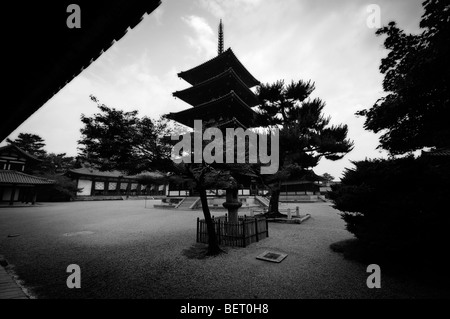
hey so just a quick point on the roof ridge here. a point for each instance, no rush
(206, 81)
(212, 59)
(223, 97)
(228, 71)
(229, 52)
(20, 150)
(234, 119)
(231, 94)
(25, 174)
(12, 178)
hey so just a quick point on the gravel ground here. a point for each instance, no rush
(128, 251)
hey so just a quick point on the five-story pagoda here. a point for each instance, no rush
(220, 93)
(221, 97)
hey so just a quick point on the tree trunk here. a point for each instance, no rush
(213, 246)
(274, 210)
(274, 201)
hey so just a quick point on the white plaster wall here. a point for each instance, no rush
(86, 186)
(7, 194)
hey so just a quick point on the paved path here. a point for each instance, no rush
(9, 288)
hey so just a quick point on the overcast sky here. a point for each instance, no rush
(328, 42)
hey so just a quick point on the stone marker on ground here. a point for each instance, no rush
(272, 256)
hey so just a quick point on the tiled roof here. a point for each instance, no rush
(86, 171)
(217, 85)
(438, 152)
(222, 62)
(234, 122)
(223, 105)
(154, 174)
(18, 149)
(94, 172)
(307, 176)
(13, 177)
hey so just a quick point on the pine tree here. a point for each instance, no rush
(306, 135)
(30, 143)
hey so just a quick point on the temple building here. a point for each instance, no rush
(307, 188)
(15, 185)
(93, 184)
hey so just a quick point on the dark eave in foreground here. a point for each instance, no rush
(42, 55)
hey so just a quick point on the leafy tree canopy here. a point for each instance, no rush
(118, 140)
(387, 201)
(416, 109)
(56, 163)
(328, 177)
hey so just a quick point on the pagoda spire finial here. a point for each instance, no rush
(220, 49)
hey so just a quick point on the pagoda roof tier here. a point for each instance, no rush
(216, 86)
(216, 66)
(234, 122)
(220, 109)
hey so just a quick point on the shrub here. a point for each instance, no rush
(396, 205)
(63, 190)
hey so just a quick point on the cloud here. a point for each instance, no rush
(204, 40)
(213, 7)
(132, 86)
(158, 15)
(228, 8)
(325, 41)
(137, 86)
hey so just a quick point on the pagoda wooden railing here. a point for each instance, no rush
(246, 231)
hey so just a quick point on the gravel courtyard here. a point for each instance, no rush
(125, 250)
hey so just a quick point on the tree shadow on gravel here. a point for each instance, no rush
(423, 266)
(197, 251)
(3, 262)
